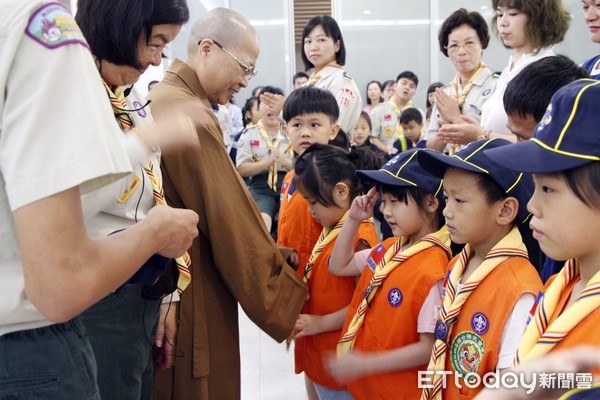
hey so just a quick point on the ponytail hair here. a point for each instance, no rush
(322, 166)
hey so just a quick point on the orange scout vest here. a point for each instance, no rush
(328, 294)
(296, 226)
(586, 332)
(391, 320)
(476, 335)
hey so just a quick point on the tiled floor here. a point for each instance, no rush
(267, 367)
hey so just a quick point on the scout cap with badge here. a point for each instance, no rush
(472, 158)
(566, 137)
(404, 170)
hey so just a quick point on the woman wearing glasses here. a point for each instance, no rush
(531, 28)
(122, 326)
(462, 37)
(325, 53)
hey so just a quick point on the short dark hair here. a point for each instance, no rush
(419, 196)
(340, 140)
(309, 99)
(411, 114)
(431, 89)
(387, 83)
(463, 17)
(530, 92)
(113, 28)
(408, 75)
(380, 88)
(548, 20)
(248, 107)
(269, 89)
(367, 117)
(300, 74)
(332, 30)
(321, 166)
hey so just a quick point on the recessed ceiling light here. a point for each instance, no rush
(367, 12)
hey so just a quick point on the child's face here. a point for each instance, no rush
(306, 129)
(327, 216)
(469, 217)
(404, 219)
(405, 89)
(521, 127)
(253, 115)
(267, 116)
(320, 48)
(564, 226)
(361, 132)
(412, 131)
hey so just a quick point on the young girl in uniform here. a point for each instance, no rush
(490, 286)
(325, 178)
(388, 331)
(263, 156)
(564, 157)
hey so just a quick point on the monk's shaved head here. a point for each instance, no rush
(220, 24)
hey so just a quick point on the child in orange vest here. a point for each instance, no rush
(310, 114)
(388, 331)
(564, 157)
(325, 178)
(491, 286)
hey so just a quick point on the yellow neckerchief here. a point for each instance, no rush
(119, 106)
(540, 337)
(272, 146)
(466, 88)
(392, 259)
(398, 111)
(327, 235)
(314, 77)
(509, 246)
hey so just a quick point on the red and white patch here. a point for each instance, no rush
(345, 102)
(348, 92)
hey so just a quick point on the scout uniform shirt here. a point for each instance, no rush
(255, 145)
(342, 86)
(386, 126)
(49, 128)
(482, 89)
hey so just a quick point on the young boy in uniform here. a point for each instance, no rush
(411, 121)
(525, 100)
(564, 157)
(386, 128)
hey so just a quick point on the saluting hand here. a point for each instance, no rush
(362, 206)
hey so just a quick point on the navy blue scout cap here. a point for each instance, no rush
(404, 170)
(566, 137)
(473, 159)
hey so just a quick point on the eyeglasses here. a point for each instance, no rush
(468, 45)
(249, 72)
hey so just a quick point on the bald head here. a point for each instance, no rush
(221, 24)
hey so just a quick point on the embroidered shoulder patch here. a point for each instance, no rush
(52, 25)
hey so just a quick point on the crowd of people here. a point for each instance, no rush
(404, 252)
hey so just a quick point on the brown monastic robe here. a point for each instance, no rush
(234, 258)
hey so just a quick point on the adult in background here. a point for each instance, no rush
(591, 13)
(234, 259)
(463, 37)
(122, 327)
(59, 140)
(374, 97)
(531, 32)
(325, 53)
